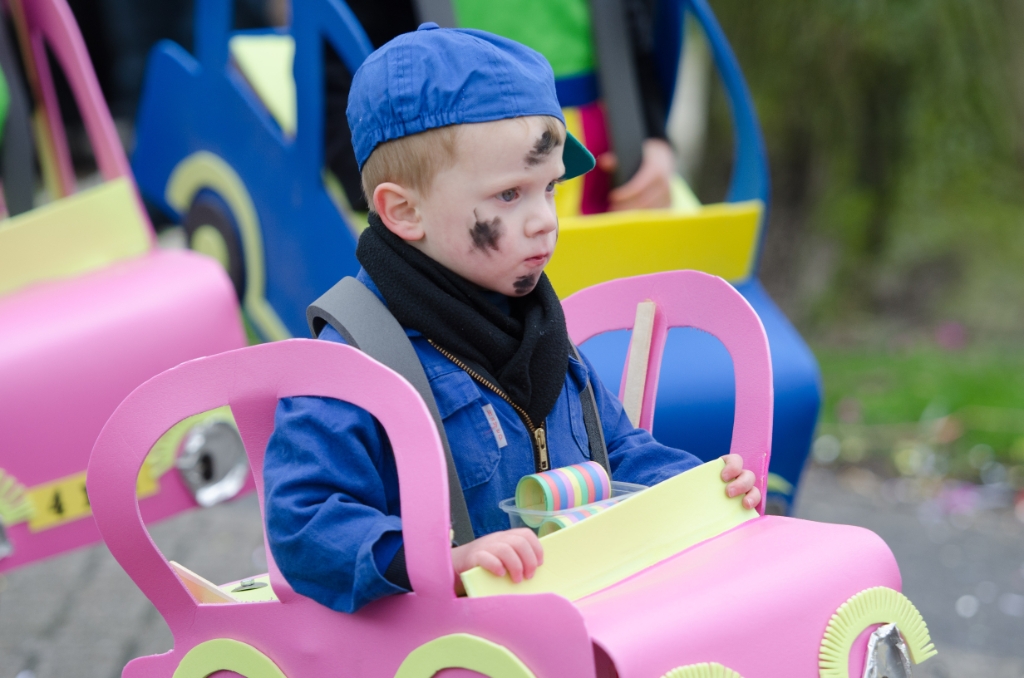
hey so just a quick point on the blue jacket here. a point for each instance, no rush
(331, 486)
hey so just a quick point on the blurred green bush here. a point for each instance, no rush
(895, 131)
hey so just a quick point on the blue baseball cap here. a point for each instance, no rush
(434, 77)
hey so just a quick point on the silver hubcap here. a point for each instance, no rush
(212, 462)
(887, 654)
(6, 547)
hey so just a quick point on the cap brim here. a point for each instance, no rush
(576, 157)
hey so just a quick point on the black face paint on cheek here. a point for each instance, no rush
(486, 234)
(542, 148)
(525, 284)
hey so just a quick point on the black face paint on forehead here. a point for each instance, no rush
(486, 234)
(542, 148)
(524, 284)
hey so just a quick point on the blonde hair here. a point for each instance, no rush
(414, 161)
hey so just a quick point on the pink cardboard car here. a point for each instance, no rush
(89, 309)
(677, 581)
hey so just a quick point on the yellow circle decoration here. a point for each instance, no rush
(204, 169)
(462, 651)
(225, 654)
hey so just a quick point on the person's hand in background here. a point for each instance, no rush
(650, 187)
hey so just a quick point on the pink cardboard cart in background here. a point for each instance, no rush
(677, 581)
(89, 309)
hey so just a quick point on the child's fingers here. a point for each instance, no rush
(531, 539)
(527, 556)
(489, 562)
(753, 498)
(733, 467)
(537, 548)
(510, 559)
(741, 485)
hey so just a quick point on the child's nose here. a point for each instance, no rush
(542, 221)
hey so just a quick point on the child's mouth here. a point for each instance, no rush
(538, 260)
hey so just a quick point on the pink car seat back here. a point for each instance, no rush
(705, 302)
(251, 380)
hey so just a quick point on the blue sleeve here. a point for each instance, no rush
(633, 453)
(331, 500)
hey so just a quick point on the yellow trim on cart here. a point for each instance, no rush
(263, 594)
(65, 500)
(72, 236)
(204, 169)
(266, 63)
(777, 483)
(719, 239)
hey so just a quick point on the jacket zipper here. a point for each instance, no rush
(537, 433)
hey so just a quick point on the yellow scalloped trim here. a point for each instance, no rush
(15, 506)
(878, 605)
(706, 670)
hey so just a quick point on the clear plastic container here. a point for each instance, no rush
(540, 519)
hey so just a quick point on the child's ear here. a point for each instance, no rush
(396, 206)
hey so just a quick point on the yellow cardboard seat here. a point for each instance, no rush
(75, 235)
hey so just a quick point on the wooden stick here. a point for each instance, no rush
(639, 357)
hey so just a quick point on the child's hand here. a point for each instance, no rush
(742, 481)
(517, 552)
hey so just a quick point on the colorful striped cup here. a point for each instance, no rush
(562, 488)
(556, 523)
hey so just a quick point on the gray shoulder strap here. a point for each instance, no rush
(365, 323)
(440, 12)
(592, 422)
(620, 89)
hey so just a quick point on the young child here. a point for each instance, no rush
(461, 142)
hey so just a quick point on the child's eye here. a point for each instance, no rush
(551, 186)
(508, 195)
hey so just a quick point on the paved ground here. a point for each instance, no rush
(965, 574)
(80, 616)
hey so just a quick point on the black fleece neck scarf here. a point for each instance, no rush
(527, 351)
